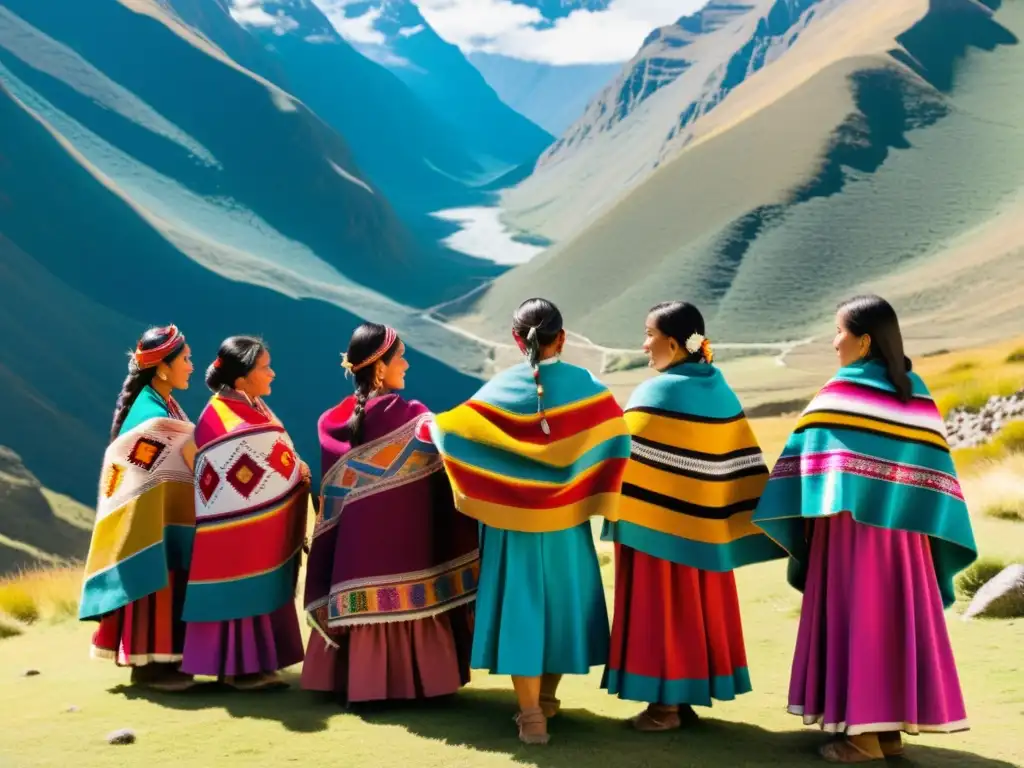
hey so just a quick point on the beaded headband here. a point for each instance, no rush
(150, 358)
(390, 335)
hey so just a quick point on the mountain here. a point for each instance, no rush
(551, 95)
(415, 156)
(37, 526)
(147, 177)
(646, 114)
(878, 150)
(395, 34)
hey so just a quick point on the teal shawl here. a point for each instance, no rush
(858, 448)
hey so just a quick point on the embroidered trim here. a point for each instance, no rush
(870, 467)
(402, 598)
(698, 466)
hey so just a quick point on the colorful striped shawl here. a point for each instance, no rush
(389, 544)
(251, 506)
(506, 473)
(857, 448)
(145, 516)
(695, 474)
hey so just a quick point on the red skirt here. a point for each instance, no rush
(149, 630)
(677, 636)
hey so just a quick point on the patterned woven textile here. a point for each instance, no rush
(251, 506)
(695, 474)
(389, 544)
(857, 448)
(507, 473)
(145, 516)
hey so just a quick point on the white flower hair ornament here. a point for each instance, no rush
(697, 343)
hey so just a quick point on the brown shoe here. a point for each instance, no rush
(891, 743)
(261, 681)
(533, 726)
(846, 752)
(656, 719)
(173, 681)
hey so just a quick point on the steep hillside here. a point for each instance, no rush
(553, 96)
(36, 528)
(882, 150)
(415, 155)
(395, 34)
(646, 114)
(146, 178)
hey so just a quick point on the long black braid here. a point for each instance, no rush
(538, 324)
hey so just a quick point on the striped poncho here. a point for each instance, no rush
(857, 448)
(506, 473)
(695, 474)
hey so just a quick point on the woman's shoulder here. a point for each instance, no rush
(148, 405)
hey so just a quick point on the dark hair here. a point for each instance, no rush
(537, 323)
(679, 320)
(365, 342)
(874, 316)
(236, 358)
(138, 378)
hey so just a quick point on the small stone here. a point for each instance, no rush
(72, 708)
(124, 736)
(30, 673)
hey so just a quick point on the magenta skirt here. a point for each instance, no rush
(873, 652)
(248, 646)
(393, 661)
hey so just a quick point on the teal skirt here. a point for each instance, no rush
(540, 606)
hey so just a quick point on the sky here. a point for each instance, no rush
(583, 37)
(606, 36)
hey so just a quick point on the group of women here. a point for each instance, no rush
(463, 539)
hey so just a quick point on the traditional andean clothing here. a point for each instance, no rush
(251, 506)
(866, 501)
(694, 477)
(142, 539)
(540, 605)
(393, 568)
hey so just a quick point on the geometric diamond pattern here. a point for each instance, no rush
(208, 481)
(145, 452)
(282, 460)
(245, 474)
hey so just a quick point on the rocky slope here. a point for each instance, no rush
(838, 167)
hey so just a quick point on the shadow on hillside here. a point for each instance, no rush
(295, 709)
(482, 720)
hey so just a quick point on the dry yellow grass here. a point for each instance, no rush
(41, 593)
(996, 489)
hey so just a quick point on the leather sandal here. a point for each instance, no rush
(550, 705)
(533, 726)
(656, 720)
(846, 752)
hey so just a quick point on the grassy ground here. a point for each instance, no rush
(215, 727)
(73, 703)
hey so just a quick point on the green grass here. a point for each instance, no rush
(1009, 441)
(213, 726)
(974, 578)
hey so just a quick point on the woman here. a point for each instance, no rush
(145, 519)
(389, 583)
(692, 483)
(251, 504)
(533, 455)
(866, 501)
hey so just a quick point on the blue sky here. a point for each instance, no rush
(613, 34)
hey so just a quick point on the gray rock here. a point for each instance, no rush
(72, 708)
(999, 595)
(124, 736)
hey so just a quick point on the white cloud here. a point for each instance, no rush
(359, 29)
(250, 13)
(582, 37)
(410, 31)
